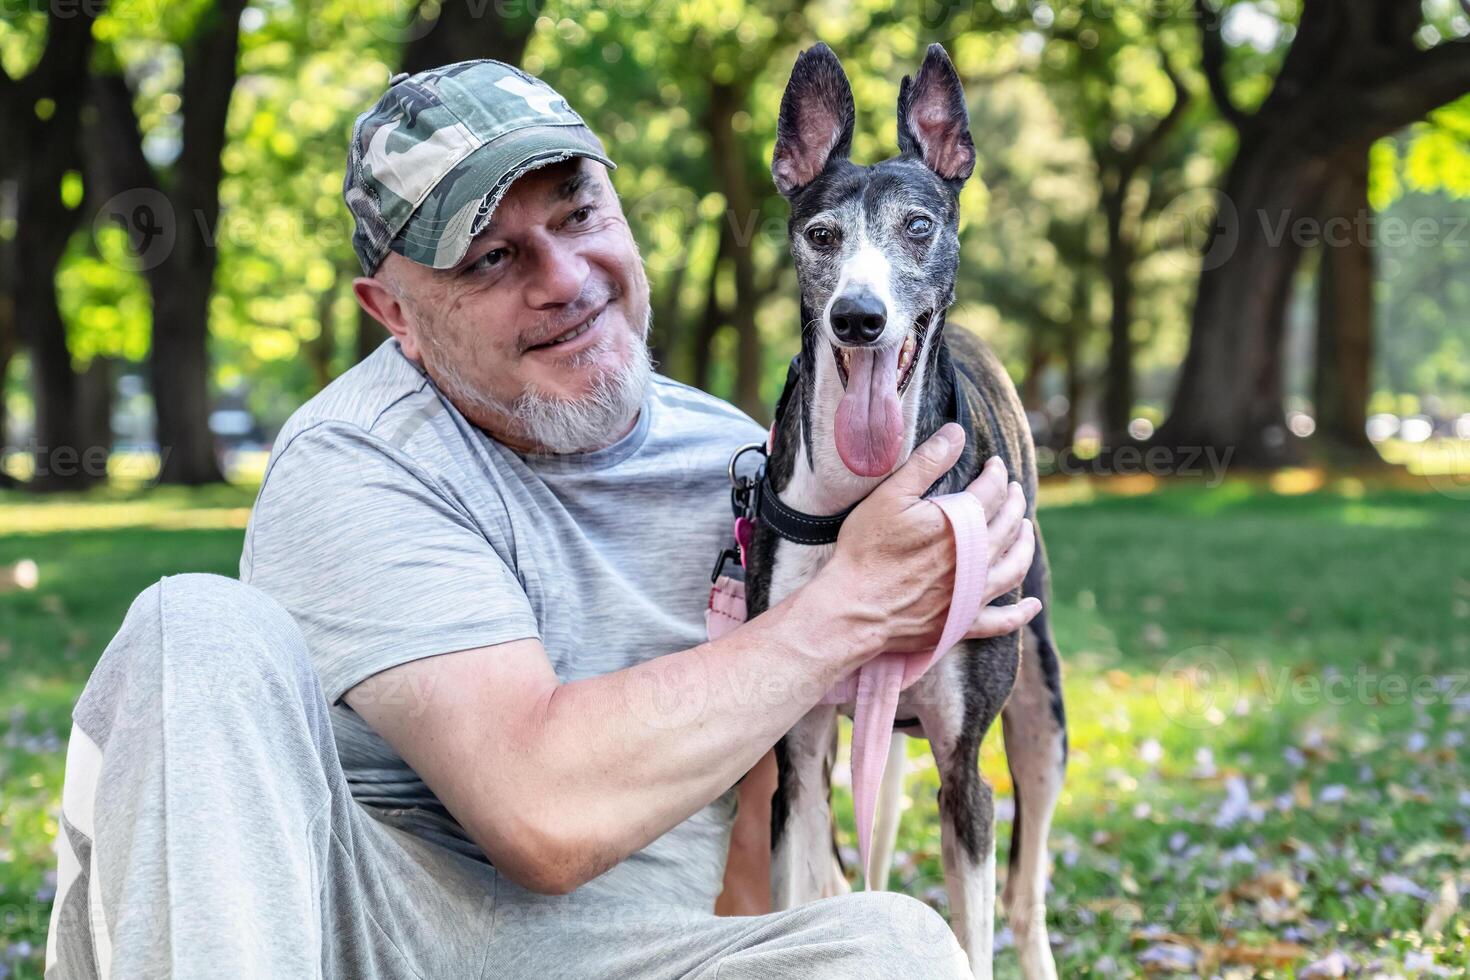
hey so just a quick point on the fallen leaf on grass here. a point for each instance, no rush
(1424, 850)
(1400, 794)
(1274, 913)
(1275, 953)
(1277, 885)
(1444, 908)
(1121, 909)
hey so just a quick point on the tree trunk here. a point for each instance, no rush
(43, 226)
(663, 339)
(1066, 435)
(710, 321)
(1229, 393)
(370, 333)
(94, 409)
(1036, 358)
(1343, 380)
(8, 339)
(462, 30)
(321, 351)
(180, 376)
(1118, 263)
(184, 282)
(1353, 75)
(58, 438)
(743, 217)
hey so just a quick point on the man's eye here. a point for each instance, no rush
(821, 236)
(579, 216)
(919, 226)
(489, 260)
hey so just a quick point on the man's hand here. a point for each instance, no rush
(1012, 547)
(895, 559)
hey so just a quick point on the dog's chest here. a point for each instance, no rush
(826, 489)
(793, 564)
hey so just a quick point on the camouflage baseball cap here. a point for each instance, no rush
(433, 157)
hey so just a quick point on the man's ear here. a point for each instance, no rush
(383, 305)
(933, 123)
(816, 120)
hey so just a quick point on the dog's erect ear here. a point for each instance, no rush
(816, 120)
(933, 123)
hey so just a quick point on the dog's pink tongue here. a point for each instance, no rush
(869, 426)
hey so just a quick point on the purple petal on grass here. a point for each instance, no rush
(1334, 964)
(1169, 956)
(1237, 802)
(1394, 884)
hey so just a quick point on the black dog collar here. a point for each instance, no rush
(755, 499)
(791, 524)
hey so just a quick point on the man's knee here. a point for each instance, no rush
(900, 935)
(201, 636)
(213, 609)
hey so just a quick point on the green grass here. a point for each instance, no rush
(1310, 650)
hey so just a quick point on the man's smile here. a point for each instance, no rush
(579, 337)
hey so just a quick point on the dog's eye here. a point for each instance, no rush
(821, 236)
(919, 226)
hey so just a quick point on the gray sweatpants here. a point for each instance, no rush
(207, 830)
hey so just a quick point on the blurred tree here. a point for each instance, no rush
(1437, 157)
(1419, 186)
(1033, 255)
(41, 111)
(1342, 377)
(1111, 75)
(1353, 74)
(442, 33)
(181, 279)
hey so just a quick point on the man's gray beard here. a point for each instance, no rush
(561, 425)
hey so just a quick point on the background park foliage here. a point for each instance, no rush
(1230, 232)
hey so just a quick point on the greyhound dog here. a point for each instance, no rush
(877, 251)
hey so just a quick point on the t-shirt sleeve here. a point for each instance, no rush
(377, 565)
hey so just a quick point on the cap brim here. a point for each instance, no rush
(439, 232)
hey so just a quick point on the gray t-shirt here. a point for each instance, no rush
(393, 529)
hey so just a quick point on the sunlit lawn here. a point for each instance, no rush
(1268, 698)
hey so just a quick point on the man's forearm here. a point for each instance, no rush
(626, 756)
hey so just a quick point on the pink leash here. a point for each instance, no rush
(874, 687)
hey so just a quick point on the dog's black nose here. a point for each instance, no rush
(858, 318)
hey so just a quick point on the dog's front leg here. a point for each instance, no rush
(955, 711)
(802, 861)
